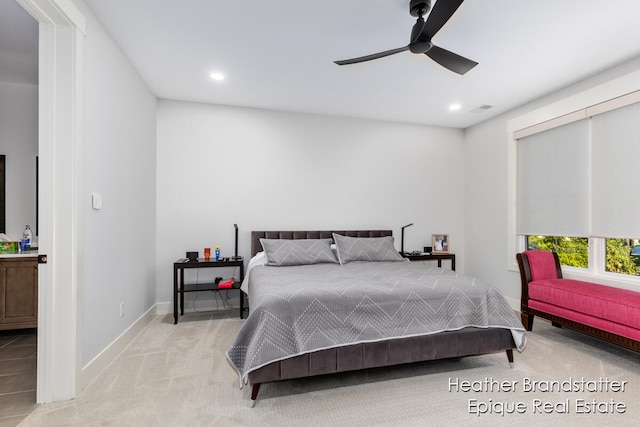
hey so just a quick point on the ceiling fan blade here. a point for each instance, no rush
(372, 56)
(452, 61)
(440, 14)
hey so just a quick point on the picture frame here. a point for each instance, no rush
(440, 243)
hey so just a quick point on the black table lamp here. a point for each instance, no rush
(402, 238)
(235, 256)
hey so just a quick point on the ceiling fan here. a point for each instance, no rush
(421, 35)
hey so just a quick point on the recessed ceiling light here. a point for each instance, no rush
(217, 76)
(454, 107)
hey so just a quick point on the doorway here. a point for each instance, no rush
(18, 150)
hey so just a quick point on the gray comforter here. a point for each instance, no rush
(301, 309)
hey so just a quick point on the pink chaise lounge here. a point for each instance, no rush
(606, 312)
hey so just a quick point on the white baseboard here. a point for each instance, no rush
(164, 308)
(91, 370)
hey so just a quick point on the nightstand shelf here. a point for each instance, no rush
(210, 286)
(433, 257)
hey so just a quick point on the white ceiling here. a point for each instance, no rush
(279, 54)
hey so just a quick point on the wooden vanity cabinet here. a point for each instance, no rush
(18, 293)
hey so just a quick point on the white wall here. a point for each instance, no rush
(221, 165)
(119, 161)
(19, 143)
(486, 188)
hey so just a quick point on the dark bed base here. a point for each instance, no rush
(465, 342)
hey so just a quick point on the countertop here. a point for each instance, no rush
(28, 254)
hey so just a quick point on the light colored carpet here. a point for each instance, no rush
(177, 375)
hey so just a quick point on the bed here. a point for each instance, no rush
(367, 307)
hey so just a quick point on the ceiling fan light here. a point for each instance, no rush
(420, 47)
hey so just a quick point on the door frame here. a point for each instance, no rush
(61, 35)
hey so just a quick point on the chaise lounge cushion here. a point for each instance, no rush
(605, 302)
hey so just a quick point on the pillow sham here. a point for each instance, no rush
(285, 252)
(352, 249)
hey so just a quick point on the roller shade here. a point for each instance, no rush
(553, 181)
(616, 173)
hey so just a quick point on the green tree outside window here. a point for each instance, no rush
(574, 252)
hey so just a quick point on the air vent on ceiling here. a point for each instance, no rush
(482, 108)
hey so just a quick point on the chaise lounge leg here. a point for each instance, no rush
(254, 394)
(510, 357)
(527, 321)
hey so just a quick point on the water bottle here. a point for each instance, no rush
(217, 253)
(26, 238)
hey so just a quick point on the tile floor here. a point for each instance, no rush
(17, 375)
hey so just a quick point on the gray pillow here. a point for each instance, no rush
(366, 249)
(283, 252)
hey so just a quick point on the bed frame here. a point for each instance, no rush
(465, 342)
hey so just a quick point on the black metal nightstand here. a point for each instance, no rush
(180, 288)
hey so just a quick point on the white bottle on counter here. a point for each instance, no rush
(26, 237)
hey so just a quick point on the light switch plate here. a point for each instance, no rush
(96, 201)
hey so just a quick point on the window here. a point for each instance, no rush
(573, 182)
(572, 251)
(623, 256)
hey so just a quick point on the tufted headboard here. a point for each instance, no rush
(309, 234)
